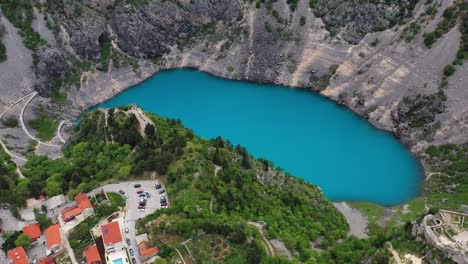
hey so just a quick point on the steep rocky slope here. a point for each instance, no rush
(100, 47)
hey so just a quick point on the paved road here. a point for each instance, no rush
(3, 113)
(132, 214)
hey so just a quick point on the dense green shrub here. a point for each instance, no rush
(449, 70)
(45, 126)
(3, 55)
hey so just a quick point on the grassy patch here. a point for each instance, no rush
(45, 127)
(373, 211)
(410, 32)
(10, 122)
(448, 186)
(116, 199)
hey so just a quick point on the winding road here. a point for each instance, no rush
(23, 126)
(29, 97)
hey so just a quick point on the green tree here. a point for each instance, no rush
(23, 241)
(150, 131)
(449, 70)
(43, 220)
(52, 187)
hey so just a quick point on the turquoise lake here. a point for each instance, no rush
(300, 131)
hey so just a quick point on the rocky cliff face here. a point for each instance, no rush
(103, 46)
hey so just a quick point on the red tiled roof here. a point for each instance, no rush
(69, 213)
(53, 236)
(146, 250)
(111, 233)
(18, 256)
(82, 201)
(92, 255)
(32, 230)
(47, 260)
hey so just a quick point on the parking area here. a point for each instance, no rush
(132, 191)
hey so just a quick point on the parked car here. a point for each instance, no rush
(134, 261)
(128, 242)
(131, 252)
(148, 195)
(162, 191)
(127, 230)
(142, 203)
(121, 192)
(141, 207)
(140, 191)
(137, 185)
(141, 210)
(126, 196)
(163, 204)
(163, 200)
(157, 186)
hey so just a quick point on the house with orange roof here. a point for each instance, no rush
(18, 256)
(47, 260)
(113, 243)
(82, 210)
(33, 231)
(53, 239)
(92, 255)
(147, 251)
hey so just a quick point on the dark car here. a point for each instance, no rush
(134, 261)
(141, 207)
(140, 191)
(128, 241)
(163, 200)
(121, 192)
(157, 186)
(164, 204)
(131, 252)
(162, 191)
(142, 203)
(137, 185)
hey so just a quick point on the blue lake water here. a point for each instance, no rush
(307, 135)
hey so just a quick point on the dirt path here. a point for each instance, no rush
(271, 250)
(217, 168)
(59, 128)
(69, 249)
